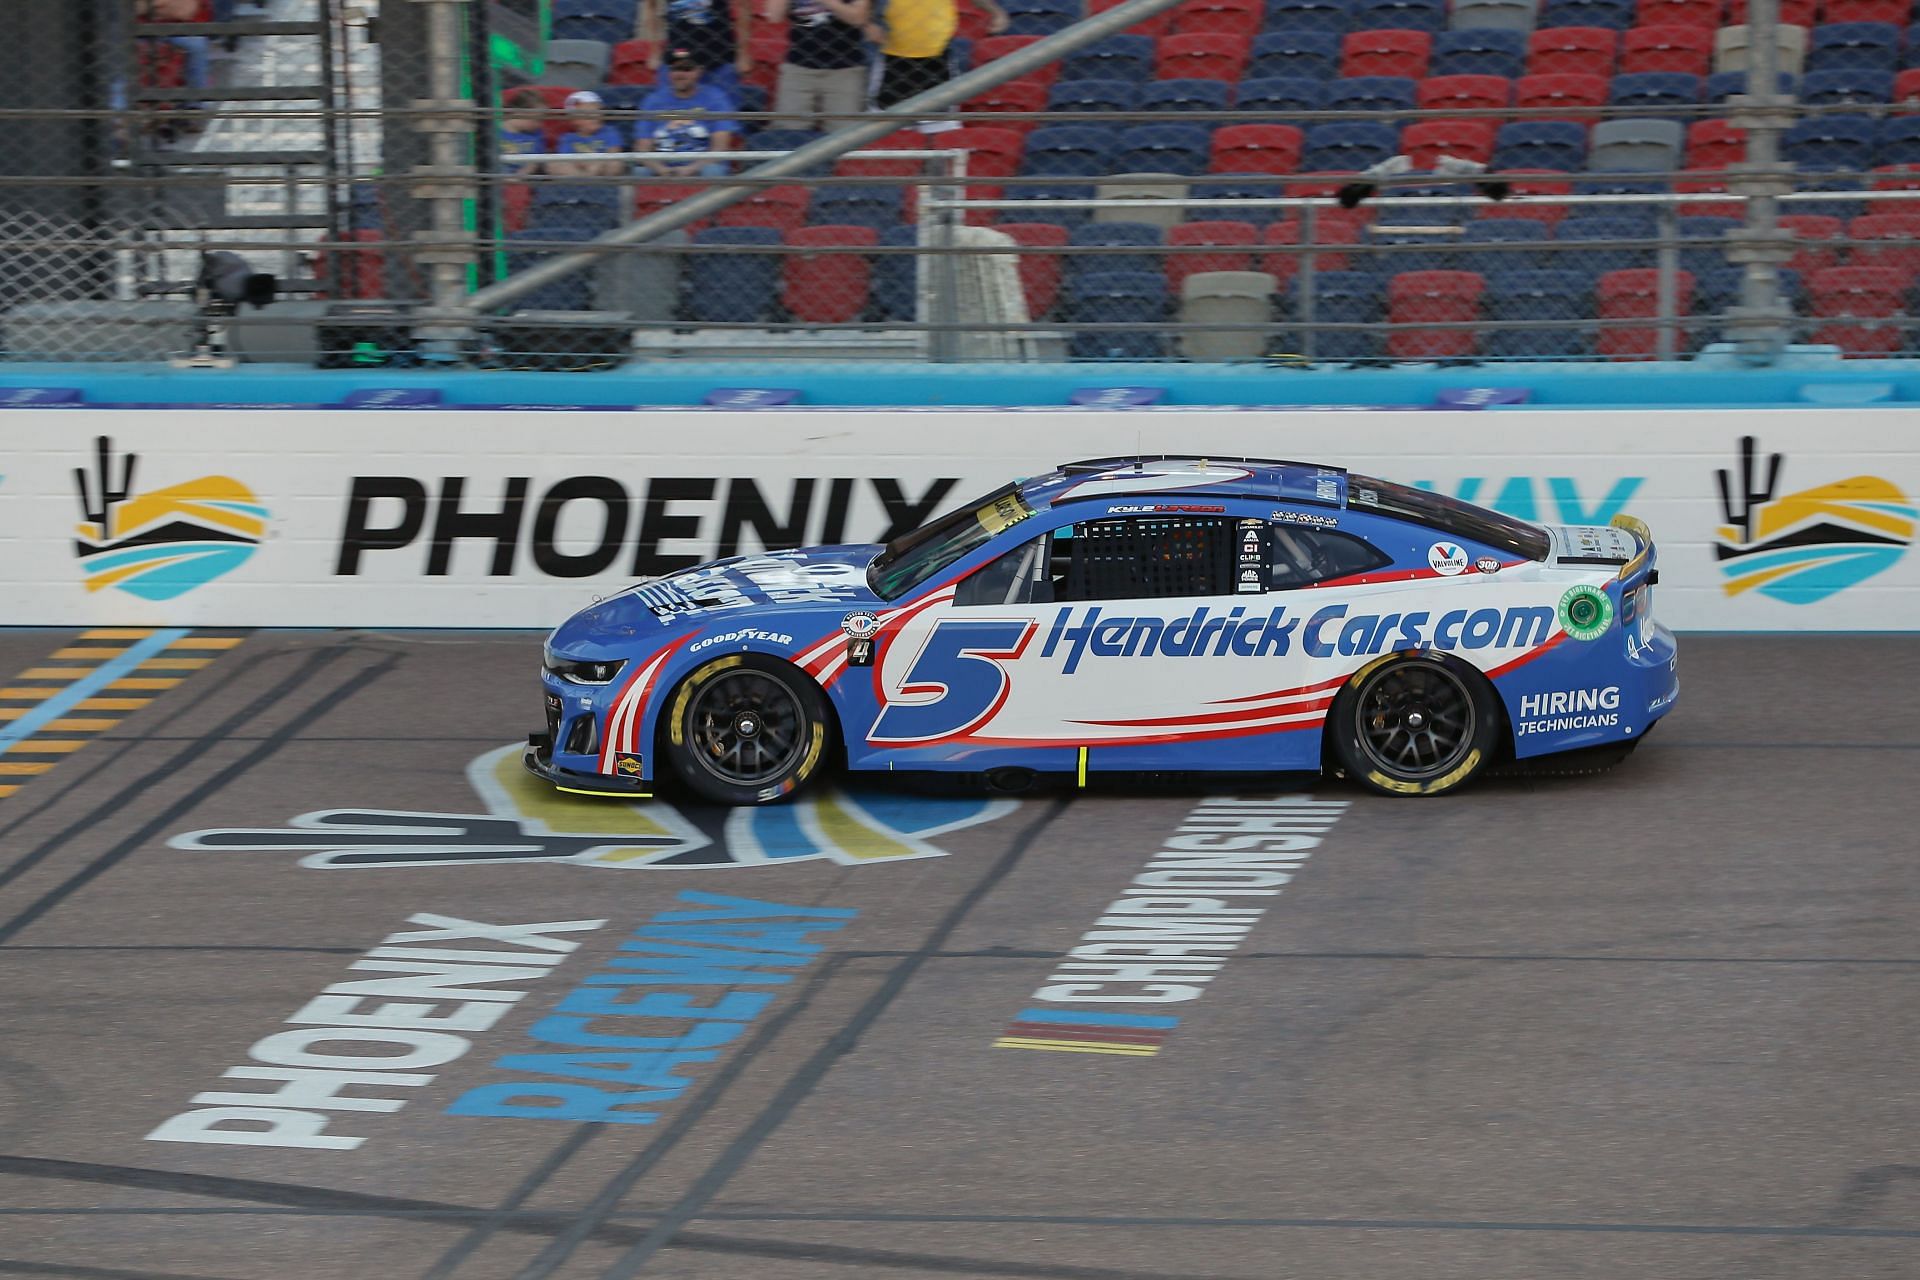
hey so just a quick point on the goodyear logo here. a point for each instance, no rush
(165, 542)
(1800, 548)
(527, 821)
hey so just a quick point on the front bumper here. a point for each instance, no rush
(538, 760)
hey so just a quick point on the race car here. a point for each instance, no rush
(1118, 616)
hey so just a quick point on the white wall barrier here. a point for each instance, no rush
(505, 519)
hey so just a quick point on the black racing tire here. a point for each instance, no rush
(1414, 725)
(747, 729)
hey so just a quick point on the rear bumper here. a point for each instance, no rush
(538, 760)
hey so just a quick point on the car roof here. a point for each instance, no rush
(1147, 475)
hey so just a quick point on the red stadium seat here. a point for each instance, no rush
(1635, 295)
(1893, 11)
(1854, 291)
(1386, 53)
(767, 46)
(1895, 177)
(1425, 142)
(516, 202)
(994, 48)
(1015, 95)
(1906, 89)
(1235, 238)
(1317, 184)
(1433, 297)
(974, 22)
(1707, 208)
(1681, 13)
(363, 272)
(1238, 18)
(1688, 49)
(629, 65)
(1256, 148)
(1039, 272)
(1551, 183)
(1859, 341)
(651, 198)
(1207, 56)
(782, 208)
(1899, 257)
(1158, 25)
(1715, 144)
(903, 140)
(1813, 226)
(1330, 228)
(1578, 96)
(827, 288)
(991, 152)
(1465, 93)
(1571, 51)
(1799, 13)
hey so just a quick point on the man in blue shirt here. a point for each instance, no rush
(700, 122)
(588, 135)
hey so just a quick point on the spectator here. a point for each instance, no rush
(913, 38)
(825, 73)
(521, 131)
(588, 135)
(199, 49)
(715, 31)
(703, 125)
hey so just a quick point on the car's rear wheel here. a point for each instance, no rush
(747, 729)
(1414, 726)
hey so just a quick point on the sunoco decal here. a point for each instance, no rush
(527, 821)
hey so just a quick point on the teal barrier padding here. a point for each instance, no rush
(1802, 380)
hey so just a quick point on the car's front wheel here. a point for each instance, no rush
(1414, 726)
(747, 729)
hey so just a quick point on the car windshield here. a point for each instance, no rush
(1449, 515)
(912, 558)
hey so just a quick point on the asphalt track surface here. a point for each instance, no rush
(1657, 1023)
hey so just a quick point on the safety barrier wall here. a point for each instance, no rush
(469, 519)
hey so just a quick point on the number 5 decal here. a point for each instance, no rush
(959, 666)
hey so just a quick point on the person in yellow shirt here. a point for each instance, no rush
(913, 36)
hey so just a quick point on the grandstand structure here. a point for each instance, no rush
(1676, 174)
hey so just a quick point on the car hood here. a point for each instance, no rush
(738, 588)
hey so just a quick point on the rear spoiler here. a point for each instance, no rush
(1638, 529)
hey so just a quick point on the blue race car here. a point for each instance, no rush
(1121, 615)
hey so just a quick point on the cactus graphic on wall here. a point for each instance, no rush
(1802, 547)
(163, 543)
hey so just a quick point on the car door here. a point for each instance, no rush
(1151, 638)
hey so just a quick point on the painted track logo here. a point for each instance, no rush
(164, 543)
(1806, 546)
(526, 821)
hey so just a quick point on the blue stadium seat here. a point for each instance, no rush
(1165, 148)
(1050, 191)
(1479, 53)
(1846, 88)
(733, 284)
(1117, 297)
(595, 210)
(1709, 256)
(1069, 151)
(876, 207)
(1614, 15)
(1346, 297)
(1411, 251)
(1605, 226)
(1236, 186)
(1371, 93)
(1897, 141)
(1308, 15)
(1400, 15)
(1281, 96)
(1094, 95)
(1541, 144)
(570, 293)
(1494, 264)
(1345, 147)
(1831, 142)
(1115, 58)
(1625, 184)
(791, 140)
(1853, 46)
(1670, 95)
(1039, 17)
(1725, 84)
(1186, 95)
(1910, 56)
(1113, 235)
(1400, 215)
(1537, 298)
(892, 290)
(608, 21)
(1312, 55)
(746, 98)
(1845, 210)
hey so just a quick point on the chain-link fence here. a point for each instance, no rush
(1577, 179)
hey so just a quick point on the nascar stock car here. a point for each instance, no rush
(1125, 615)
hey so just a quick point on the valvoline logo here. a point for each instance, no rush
(1447, 558)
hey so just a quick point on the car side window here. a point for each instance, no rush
(1018, 577)
(1143, 558)
(1302, 556)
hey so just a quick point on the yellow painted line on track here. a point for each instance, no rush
(111, 704)
(147, 682)
(86, 651)
(81, 724)
(117, 633)
(48, 747)
(31, 695)
(54, 673)
(1064, 1046)
(15, 768)
(206, 642)
(7, 789)
(174, 664)
(13, 713)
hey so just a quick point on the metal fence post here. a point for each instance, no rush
(1760, 326)
(447, 182)
(1666, 283)
(1303, 281)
